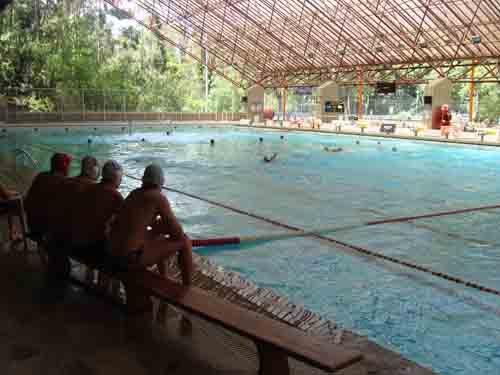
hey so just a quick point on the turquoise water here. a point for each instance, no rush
(438, 324)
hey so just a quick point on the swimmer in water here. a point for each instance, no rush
(143, 140)
(335, 149)
(394, 149)
(212, 142)
(271, 158)
(261, 139)
(282, 137)
(357, 142)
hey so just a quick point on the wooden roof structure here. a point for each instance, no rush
(277, 43)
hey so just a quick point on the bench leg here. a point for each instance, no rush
(272, 361)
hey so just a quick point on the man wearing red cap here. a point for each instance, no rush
(38, 202)
(40, 208)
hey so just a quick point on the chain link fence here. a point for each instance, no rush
(55, 105)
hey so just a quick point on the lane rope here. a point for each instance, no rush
(411, 265)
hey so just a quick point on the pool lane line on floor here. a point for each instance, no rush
(442, 275)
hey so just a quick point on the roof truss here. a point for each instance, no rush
(279, 43)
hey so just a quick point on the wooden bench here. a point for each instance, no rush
(275, 341)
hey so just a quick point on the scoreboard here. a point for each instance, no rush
(385, 88)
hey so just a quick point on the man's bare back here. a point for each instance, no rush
(138, 212)
(131, 238)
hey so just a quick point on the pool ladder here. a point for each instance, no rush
(19, 152)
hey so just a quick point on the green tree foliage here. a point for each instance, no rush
(72, 46)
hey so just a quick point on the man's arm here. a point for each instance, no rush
(169, 221)
(117, 205)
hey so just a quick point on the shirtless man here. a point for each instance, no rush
(69, 201)
(90, 170)
(269, 159)
(129, 235)
(42, 211)
(91, 216)
(42, 193)
(95, 208)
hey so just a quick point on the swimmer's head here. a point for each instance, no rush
(59, 164)
(112, 173)
(212, 142)
(143, 140)
(153, 176)
(261, 139)
(357, 142)
(90, 167)
(282, 137)
(394, 149)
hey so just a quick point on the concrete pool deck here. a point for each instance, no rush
(43, 333)
(428, 135)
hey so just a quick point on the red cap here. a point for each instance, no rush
(60, 163)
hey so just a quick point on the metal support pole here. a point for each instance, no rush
(285, 97)
(83, 104)
(123, 106)
(471, 94)
(104, 105)
(360, 95)
(7, 107)
(62, 108)
(16, 92)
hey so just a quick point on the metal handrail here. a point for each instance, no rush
(19, 151)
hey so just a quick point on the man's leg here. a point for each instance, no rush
(157, 250)
(185, 261)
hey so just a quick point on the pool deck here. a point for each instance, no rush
(428, 135)
(43, 331)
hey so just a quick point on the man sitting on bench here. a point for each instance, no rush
(93, 212)
(69, 203)
(95, 209)
(42, 193)
(148, 207)
(89, 173)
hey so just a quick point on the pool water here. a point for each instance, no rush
(441, 325)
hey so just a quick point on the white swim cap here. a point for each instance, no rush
(110, 170)
(153, 175)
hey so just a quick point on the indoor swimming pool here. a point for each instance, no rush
(450, 328)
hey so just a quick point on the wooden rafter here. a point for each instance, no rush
(282, 42)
